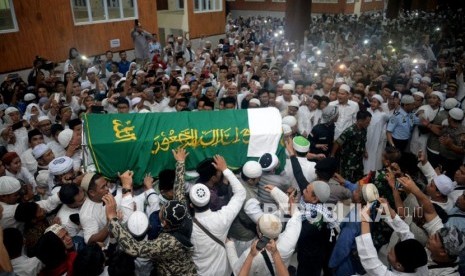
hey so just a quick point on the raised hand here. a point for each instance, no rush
(180, 154)
(219, 162)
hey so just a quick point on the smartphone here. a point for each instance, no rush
(398, 186)
(374, 209)
(262, 242)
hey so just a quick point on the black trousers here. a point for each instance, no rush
(400, 144)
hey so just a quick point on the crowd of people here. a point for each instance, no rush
(372, 118)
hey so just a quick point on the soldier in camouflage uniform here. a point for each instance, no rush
(172, 251)
(352, 145)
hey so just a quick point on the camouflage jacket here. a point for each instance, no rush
(169, 255)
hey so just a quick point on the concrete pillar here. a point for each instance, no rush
(298, 18)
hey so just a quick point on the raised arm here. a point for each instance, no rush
(180, 156)
(296, 168)
(126, 242)
(423, 200)
(391, 180)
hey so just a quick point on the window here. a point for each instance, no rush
(94, 11)
(280, 1)
(180, 5)
(326, 1)
(7, 17)
(368, 1)
(208, 5)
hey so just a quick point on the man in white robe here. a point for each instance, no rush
(376, 136)
(308, 116)
(426, 112)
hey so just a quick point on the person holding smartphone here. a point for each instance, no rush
(275, 248)
(141, 39)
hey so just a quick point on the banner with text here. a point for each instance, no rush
(142, 142)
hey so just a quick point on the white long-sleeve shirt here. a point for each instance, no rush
(307, 119)
(24, 266)
(369, 256)
(285, 244)
(8, 219)
(347, 116)
(72, 228)
(214, 260)
(308, 168)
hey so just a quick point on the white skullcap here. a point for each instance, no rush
(270, 226)
(29, 97)
(252, 169)
(407, 99)
(450, 103)
(135, 101)
(329, 113)
(138, 223)
(60, 165)
(43, 118)
(199, 195)
(288, 86)
(289, 120)
(418, 93)
(10, 110)
(64, 138)
(268, 161)
(426, 79)
(286, 129)
(40, 150)
(294, 104)
(339, 80)
(55, 229)
(444, 184)
(416, 75)
(378, 97)
(300, 144)
(344, 87)
(321, 190)
(123, 79)
(281, 82)
(438, 94)
(370, 192)
(185, 86)
(9, 185)
(92, 70)
(86, 180)
(140, 72)
(255, 101)
(144, 110)
(456, 113)
(42, 178)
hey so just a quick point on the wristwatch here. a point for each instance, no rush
(125, 191)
